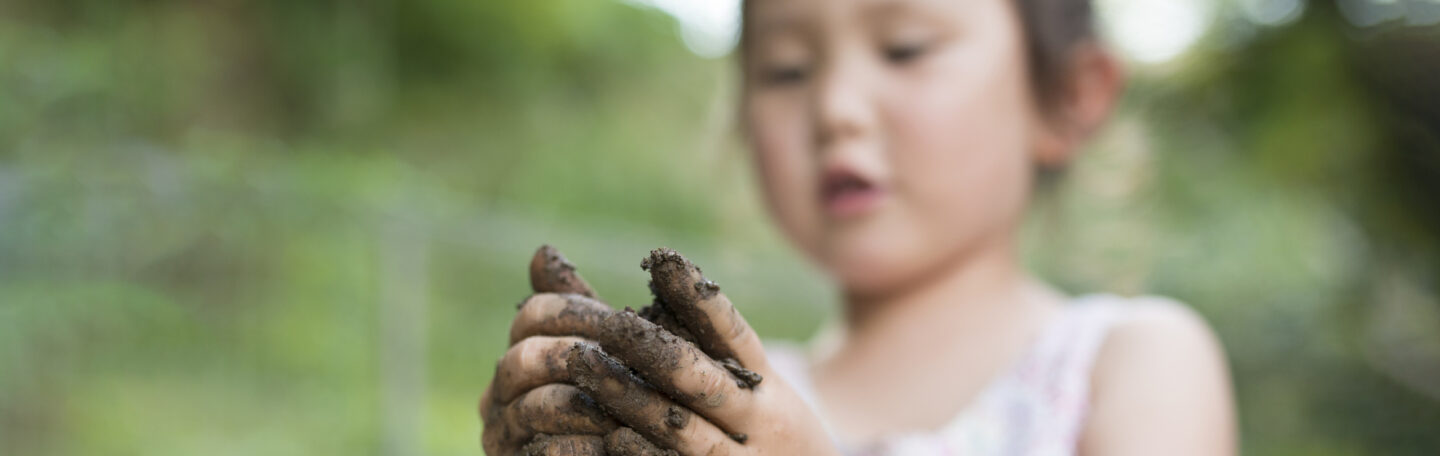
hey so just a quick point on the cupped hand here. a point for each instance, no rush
(581, 378)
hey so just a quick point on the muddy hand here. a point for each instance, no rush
(692, 306)
(687, 400)
(547, 321)
(530, 407)
(680, 396)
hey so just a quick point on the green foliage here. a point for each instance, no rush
(284, 227)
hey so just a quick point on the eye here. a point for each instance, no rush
(785, 75)
(905, 53)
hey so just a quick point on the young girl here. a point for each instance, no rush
(898, 142)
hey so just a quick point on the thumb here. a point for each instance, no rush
(698, 305)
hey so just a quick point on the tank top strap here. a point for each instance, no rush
(1057, 370)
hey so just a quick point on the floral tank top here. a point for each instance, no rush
(1037, 407)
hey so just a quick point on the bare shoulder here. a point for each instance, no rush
(1160, 385)
(1156, 324)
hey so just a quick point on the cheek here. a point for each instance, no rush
(962, 147)
(779, 138)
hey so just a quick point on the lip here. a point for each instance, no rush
(847, 194)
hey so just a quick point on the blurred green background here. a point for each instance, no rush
(301, 227)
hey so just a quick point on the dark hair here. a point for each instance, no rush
(1052, 29)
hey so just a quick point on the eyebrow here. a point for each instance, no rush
(884, 8)
(891, 9)
(788, 23)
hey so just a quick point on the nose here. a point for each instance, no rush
(843, 108)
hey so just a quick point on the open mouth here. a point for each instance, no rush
(847, 194)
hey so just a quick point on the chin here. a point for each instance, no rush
(873, 260)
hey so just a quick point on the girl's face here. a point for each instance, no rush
(893, 137)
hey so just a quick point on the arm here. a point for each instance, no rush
(1160, 386)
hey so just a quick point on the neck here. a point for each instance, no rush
(980, 295)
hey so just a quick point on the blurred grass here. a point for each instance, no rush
(301, 227)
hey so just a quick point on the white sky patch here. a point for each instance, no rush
(1155, 31)
(1148, 31)
(709, 28)
(1272, 12)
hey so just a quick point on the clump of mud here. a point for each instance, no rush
(625, 441)
(567, 445)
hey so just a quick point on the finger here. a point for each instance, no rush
(530, 363)
(502, 438)
(490, 438)
(550, 409)
(677, 368)
(654, 416)
(624, 441)
(488, 405)
(700, 306)
(661, 315)
(550, 272)
(493, 442)
(548, 314)
(565, 445)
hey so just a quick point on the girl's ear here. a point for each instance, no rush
(1092, 86)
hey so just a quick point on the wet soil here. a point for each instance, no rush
(627, 442)
(565, 445)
